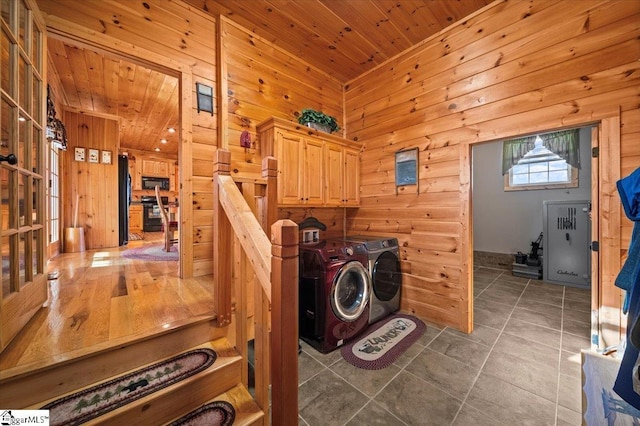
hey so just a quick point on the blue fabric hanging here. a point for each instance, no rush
(629, 189)
(629, 280)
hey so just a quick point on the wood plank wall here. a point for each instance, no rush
(510, 69)
(92, 182)
(261, 81)
(172, 37)
(264, 81)
(513, 68)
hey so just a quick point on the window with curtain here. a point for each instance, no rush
(549, 160)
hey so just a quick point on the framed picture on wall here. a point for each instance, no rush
(93, 155)
(106, 157)
(407, 167)
(79, 154)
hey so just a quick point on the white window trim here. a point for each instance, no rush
(573, 183)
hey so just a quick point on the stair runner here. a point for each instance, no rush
(95, 401)
(217, 413)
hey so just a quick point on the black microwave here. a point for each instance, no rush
(149, 182)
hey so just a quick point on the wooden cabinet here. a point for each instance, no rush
(312, 172)
(335, 175)
(288, 150)
(343, 176)
(314, 168)
(158, 168)
(135, 218)
(351, 180)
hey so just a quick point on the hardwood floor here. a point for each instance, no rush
(103, 299)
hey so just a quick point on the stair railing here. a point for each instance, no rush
(274, 265)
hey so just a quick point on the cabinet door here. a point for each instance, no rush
(313, 172)
(334, 195)
(162, 168)
(135, 218)
(148, 168)
(155, 168)
(288, 151)
(351, 181)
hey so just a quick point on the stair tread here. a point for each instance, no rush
(11, 372)
(225, 355)
(247, 410)
(68, 375)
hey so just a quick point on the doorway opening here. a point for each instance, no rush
(504, 223)
(143, 101)
(507, 221)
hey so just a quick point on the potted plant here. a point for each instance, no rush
(318, 120)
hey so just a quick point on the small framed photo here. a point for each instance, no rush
(79, 154)
(106, 157)
(93, 155)
(407, 167)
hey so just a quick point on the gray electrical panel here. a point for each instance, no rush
(567, 239)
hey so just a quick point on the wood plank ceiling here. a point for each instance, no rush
(343, 38)
(145, 101)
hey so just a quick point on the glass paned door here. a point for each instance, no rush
(54, 201)
(22, 169)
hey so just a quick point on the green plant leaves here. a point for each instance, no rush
(309, 115)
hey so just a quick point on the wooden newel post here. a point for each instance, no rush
(222, 240)
(270, 174)
(284, 323)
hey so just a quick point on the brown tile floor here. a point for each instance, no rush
(521, 365)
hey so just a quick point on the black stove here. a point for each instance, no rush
(152, 219)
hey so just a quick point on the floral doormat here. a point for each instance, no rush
(97, 400)
(217, 413)
(153, 252)
(383, 342)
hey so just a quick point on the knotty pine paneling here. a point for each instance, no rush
(516, 68)
(96, 184)
(333, 218)
(171, 37)
(265, 81)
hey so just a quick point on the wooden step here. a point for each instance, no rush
(247, 411)
(78, 370)
(181, 397)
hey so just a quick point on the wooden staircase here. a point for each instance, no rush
(35, 387)
(263, 259)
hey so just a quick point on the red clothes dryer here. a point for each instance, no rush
(334, 289)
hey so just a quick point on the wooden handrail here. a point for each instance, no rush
(253, 239)
(275, 265)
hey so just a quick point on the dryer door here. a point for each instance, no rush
(350, 291)
(386, 277)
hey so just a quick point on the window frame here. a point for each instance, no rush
(573, 182)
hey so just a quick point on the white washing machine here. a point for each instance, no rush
(384, 270)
